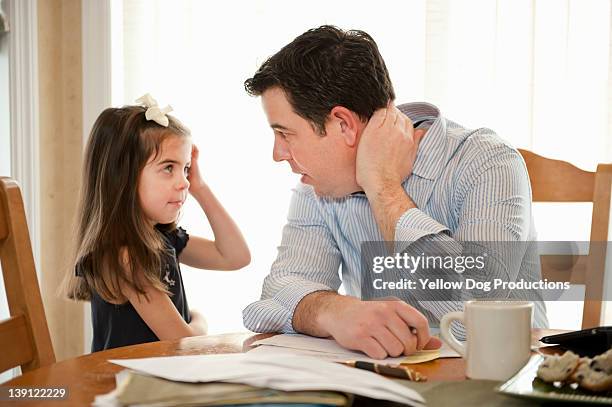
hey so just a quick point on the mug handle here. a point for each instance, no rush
(448, 337)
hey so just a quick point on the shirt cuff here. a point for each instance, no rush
(413, 225)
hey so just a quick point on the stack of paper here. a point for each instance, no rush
(329, 349)
(136, 389)
(280, 372)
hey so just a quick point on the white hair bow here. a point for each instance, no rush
(153, 111)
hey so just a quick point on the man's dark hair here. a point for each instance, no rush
(327, 67)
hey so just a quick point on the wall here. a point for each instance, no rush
(60, 112)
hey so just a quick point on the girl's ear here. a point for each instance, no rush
(348, 123)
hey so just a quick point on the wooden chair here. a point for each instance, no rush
(559, 181)
(24, 336)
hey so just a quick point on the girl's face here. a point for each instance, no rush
(163, 185)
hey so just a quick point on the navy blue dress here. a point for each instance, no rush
(117, 325)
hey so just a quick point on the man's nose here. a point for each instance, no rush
(280, 152)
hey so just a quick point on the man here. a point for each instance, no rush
(373, 172)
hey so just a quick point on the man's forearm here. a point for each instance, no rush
(389, 203)
(311, 312)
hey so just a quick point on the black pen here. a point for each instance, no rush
(401, 372)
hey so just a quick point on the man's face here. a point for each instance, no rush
(327, 163)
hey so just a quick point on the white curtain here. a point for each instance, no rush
(536, 71)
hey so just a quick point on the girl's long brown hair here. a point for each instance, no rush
(112, 233)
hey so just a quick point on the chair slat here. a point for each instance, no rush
(559, 268)
(15, 343)
(3, 225)
(558, 181)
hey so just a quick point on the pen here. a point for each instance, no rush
(401, 372)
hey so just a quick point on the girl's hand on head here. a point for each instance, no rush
(195, 178)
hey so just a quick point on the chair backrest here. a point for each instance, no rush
(560, 181)
(24, 337)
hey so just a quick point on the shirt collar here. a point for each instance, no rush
(431, 154)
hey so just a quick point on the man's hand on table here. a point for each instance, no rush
(377, 328)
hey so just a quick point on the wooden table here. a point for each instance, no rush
(89, 375)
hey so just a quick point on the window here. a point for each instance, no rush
(534, 71)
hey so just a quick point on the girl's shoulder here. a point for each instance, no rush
(177, 237)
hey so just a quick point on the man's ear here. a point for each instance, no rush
(348, 122)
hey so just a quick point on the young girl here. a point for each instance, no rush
(140, 165)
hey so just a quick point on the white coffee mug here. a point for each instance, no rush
(498, 337)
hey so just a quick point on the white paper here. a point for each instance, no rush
(110, 399)
(329, 349)
(331, 357)
(282, 372)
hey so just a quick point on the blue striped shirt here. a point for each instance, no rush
(468, 186)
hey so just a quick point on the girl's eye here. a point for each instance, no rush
(168, 169)
(186, 170)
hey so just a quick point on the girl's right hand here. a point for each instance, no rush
(196, 181)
